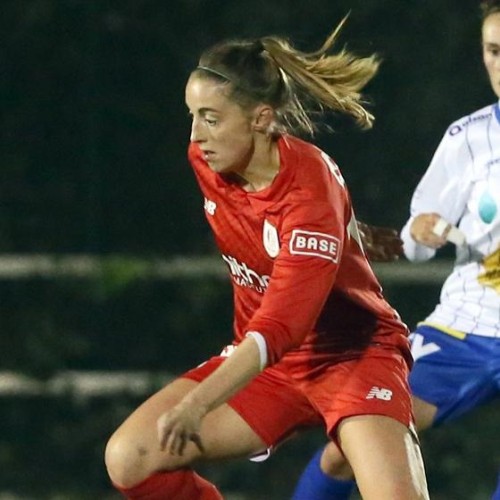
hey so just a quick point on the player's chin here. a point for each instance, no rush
(218, 167)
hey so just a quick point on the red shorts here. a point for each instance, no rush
(275, 405)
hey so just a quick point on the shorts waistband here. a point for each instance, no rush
(458, 334)
(445, 329)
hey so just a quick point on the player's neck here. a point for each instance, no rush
(261, 171)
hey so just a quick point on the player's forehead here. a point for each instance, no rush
(206, 94)
(491, 29)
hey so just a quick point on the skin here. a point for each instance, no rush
(332, 461)
(234, 141)
(491, 50)
(187, 421)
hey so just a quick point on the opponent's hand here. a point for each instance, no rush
(381, 244)
(421, 230)
(180, 425)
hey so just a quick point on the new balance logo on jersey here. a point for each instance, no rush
(379, 393)
(210, 206)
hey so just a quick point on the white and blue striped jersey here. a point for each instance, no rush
(462, 185)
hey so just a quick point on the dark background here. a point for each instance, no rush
(93, 136)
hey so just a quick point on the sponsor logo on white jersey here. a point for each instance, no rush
(209, 206)
(379, 393)
(270, 239)
(315, 244)
(244, 276)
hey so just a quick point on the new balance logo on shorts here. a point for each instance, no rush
(379, 393)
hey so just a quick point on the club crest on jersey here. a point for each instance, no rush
(270, 239)
(209, 206)
(315, 244)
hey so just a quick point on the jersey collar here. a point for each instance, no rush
(497, 111)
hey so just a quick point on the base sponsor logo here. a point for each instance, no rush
(315, 244)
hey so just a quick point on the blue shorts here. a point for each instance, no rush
(454, 374)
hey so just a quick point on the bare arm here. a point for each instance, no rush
(182, 423)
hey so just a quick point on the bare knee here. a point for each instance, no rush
(129, 461)
(133, 451)
(125, 461)
(335, 464)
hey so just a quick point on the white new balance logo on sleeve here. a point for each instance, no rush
(379, 393)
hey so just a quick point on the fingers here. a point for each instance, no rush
(196, 439)
(175, 443)
(174, 440)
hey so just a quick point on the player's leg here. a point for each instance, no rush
(375, 385)
(385, 456)
(136, 464)
(328, 475)
(260, 415)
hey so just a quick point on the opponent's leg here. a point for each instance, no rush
(138, 466)
(327, 476)
(496, 494)
(424, 413)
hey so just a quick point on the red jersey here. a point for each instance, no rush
(299, 274)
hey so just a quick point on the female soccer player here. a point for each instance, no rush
(457, 347)
(315, 343)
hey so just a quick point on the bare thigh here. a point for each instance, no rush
(385, 457)
(133, 452)
(333, 462)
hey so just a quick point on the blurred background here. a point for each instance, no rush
(109, 281)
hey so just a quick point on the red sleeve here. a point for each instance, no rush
(312, 236)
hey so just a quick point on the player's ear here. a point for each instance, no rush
(263, 117)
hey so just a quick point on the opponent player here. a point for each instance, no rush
(315, 343)
(457, 347)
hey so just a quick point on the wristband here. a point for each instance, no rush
(454, 235)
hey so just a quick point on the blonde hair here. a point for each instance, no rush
(296, 84)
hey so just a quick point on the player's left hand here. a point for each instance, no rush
(381, 244)
(180, 425)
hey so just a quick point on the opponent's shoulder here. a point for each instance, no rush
(473, 121)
